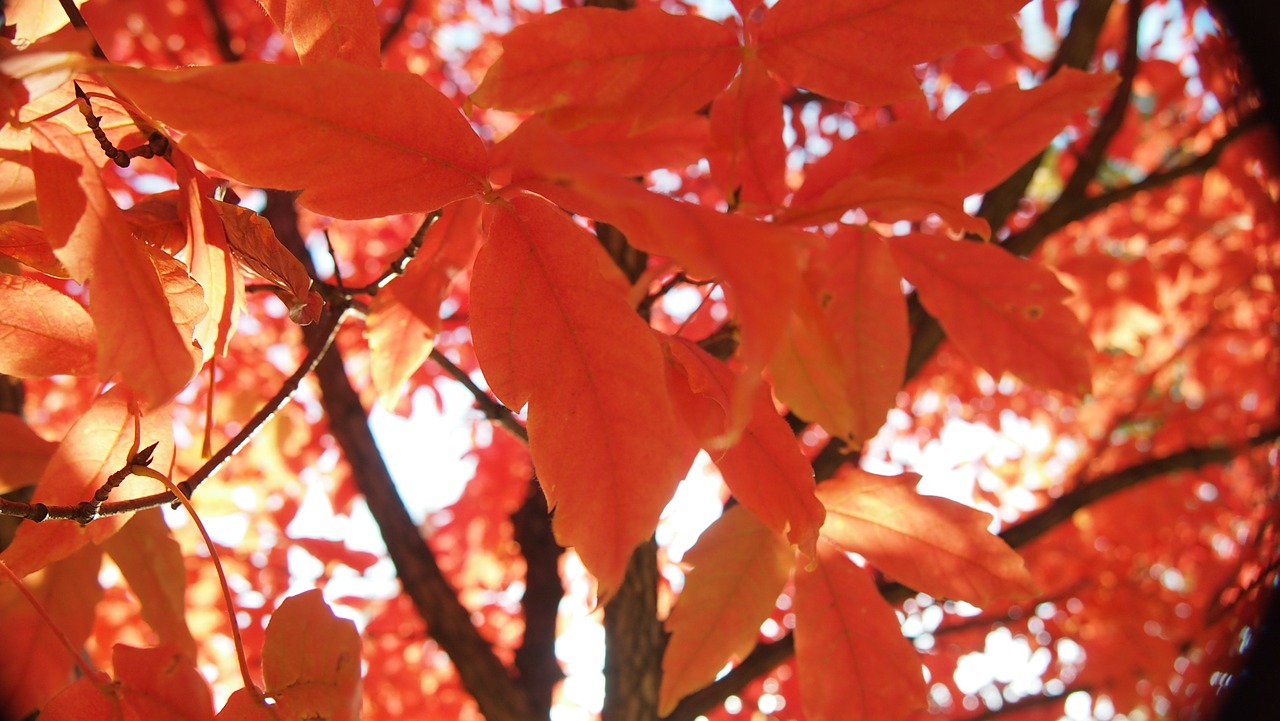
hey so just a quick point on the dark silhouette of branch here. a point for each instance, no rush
(448, 621)
(536, 658)
(766, 656)
(492, 409)
(77, 21)
(397, 26)
(221, 34)
(321, 337)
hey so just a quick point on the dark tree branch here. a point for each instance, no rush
(536, 658)
(397, 26)
(448, 621)
(634, 642)
(492, 409)
(221, 34)
(766, 656)
(77, 21)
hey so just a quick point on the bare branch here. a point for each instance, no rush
(221, 34)
(492, 409)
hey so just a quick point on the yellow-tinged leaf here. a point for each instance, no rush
(864, 50)
(312, 129)
(553, 329)
(764, 468)
(254, 244)
(211, 263)
(591, 64)
(137, 337)
(311, 661)
(151, 562)
(739, 568)
(845, 354)
(23, 453)
(404, 317)
(27, 245)
(95, 447)
(1004, 313)
(851, 659)
(42, 331)
(931, 544)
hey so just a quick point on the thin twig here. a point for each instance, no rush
(396, 26)
(221, 34)
(396, 267)
(492, 409)
(77, 21)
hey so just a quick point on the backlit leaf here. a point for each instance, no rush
(95, 447)
(311, 661)
(553, 329)
(27, 245)
(851, 658)
(137, 337)
(42, 331)
(1004, 313)
(202, 231)
(255, 247)
(931, 544)
(864, 50)
(330, 29)
(349, 161)
(151, 562)
(23, 453)
(404, 317)
(161, 683)
(764, 468)
(747, 154)
(845, 354)
(35, 666)
(85, 699)
(587, 64)
(739, 568)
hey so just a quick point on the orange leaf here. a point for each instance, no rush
(37, 68)
(156, 220)
(845, 354)
(151, 562)
(85, 699)
(161, 683)
(590, 64)
(311, 661)
(95, 447)
(136, 333)
(243, 705)
(404, 317)
(747, 153)
(311, 129)
(23, 454)
(758, 262)
(329, 29)
(1006, 314)
(35, 666)
(673, 143)
(1009, 126)
(845, 630)
(931, 544)
(42, 331)
(864, 50)
(212, 266)
(254, 244)
(27, 245)
(553, 329)
(764, 469)
(739, 568)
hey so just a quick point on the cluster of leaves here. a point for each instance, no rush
(800, 175)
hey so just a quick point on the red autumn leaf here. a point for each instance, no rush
(32, 71)
(151, 562)
(87, 698)
(863, 50)
(255, 247)
(35, 665)
(747, 154)
(95, 447)
(137, 337)
(851, 658)
(243, 705)
(764, 468)
(183, 293)
(931, 544)
(553, 329)
(845, 353)
(161, 683)
(404, 318)
(757, 262)
(17, 184)
(739, 568)
(203, 233)
(348, 161)
(27, 245)
(1009, 126)
(591, 64)
(42, 331)
(329, 551)
(329, 29)
(1006, 314)
(673, 143)
(311, 661)
(23, 453)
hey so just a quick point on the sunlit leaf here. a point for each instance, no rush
(151, 562)
(311, 661)
(255, 247)
(23, 453)
(42, 331)
(161, 683)
(329, 29)
(747, 154)
(27, 245)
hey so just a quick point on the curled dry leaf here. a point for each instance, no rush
(255, 246)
